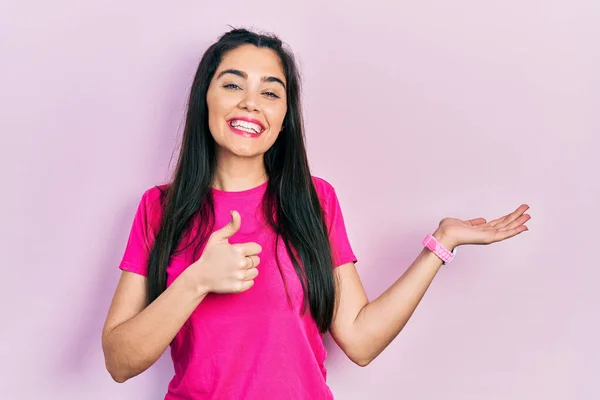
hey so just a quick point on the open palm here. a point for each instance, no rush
(479, 231)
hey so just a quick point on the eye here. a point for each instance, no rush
(271, 95)
(232, 86)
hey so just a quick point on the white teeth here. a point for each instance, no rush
(246, 126)
(241, 128)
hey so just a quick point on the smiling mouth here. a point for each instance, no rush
(246, 127)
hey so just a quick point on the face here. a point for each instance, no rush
(247, 101)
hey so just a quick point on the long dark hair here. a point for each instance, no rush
(290, 204)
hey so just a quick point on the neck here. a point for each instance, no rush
(235, 174)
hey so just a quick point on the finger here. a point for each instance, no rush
(477, 221)
(232, 226)
(497, 221)
(252, 261)
(508, 218)
(508, 233)
(518, 222)
(251, 273)
(242, 286)
(248, 249)
(516, 214)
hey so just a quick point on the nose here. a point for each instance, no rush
(249, 102)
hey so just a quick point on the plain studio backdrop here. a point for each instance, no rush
(414, 111)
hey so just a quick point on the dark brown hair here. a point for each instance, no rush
(291, 205)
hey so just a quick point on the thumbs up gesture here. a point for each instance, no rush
(225, 267)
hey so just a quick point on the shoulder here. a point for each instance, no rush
(155, 194)
(152, 201)
(325, 191)
(323, 188)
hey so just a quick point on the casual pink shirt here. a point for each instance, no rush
(251, 345)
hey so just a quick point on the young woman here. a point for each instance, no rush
(242, 200)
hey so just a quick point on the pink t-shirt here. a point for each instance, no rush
(251, 345)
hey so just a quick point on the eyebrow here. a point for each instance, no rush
(242, 74)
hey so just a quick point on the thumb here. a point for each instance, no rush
(477, 221)
(232, 226)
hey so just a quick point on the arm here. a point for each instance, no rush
(363, 330)
(136, 335)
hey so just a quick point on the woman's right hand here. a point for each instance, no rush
(225, 267)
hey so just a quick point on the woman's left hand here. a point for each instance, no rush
(456, 232)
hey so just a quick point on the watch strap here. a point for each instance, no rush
(439, 249)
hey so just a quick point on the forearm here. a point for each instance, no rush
(380, 321)
(136, 344)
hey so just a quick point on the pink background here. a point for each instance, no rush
(415, 111)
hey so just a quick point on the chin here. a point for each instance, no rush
(247, 149)
(245, 152)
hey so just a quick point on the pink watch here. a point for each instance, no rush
(438, 249)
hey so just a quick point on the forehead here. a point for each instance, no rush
(253, 61)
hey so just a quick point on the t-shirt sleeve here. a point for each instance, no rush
(141, 236)
(340, 244)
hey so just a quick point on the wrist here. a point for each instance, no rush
(444, 239)
(193, 280)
